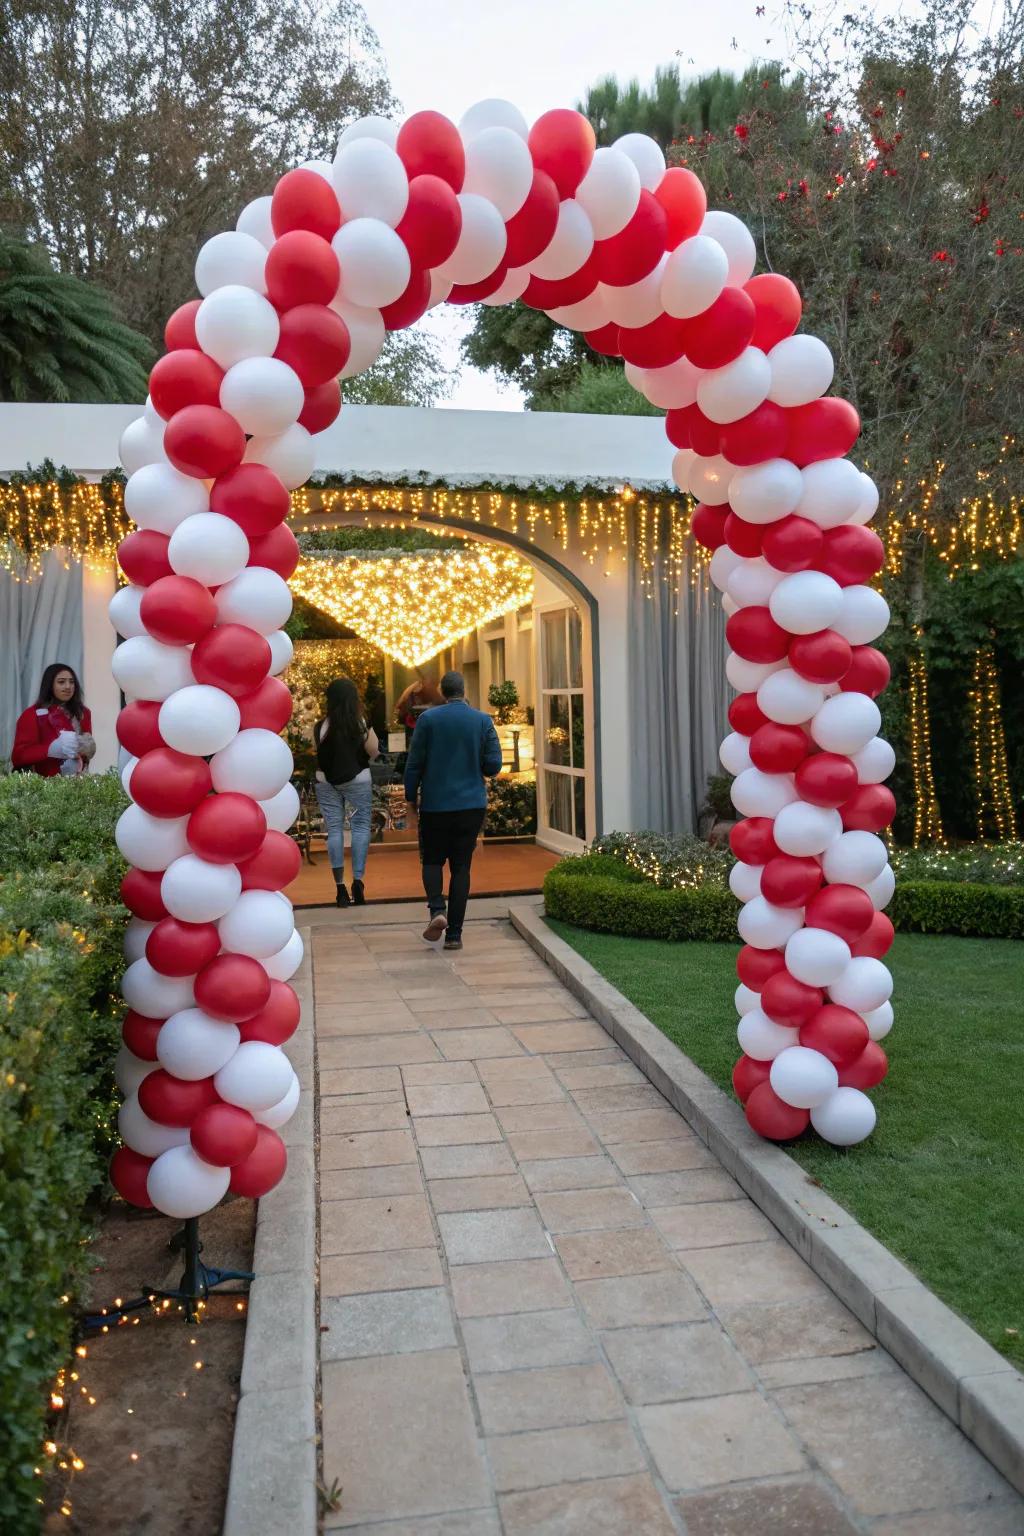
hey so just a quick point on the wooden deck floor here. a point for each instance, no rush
(501, 869)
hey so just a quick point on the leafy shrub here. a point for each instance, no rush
(976, 863)
(669, 861)
(946, 906)
(504, 700)
(511, 808)
(600, 892)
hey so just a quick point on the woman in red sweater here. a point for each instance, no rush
(54, 735)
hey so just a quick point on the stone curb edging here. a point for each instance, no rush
(272, 1486)
(969, 1380)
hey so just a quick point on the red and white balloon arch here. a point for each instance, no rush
(301, 295)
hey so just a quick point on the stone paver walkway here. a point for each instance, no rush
(545, 1307)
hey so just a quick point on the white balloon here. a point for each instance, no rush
(863, 616)
(191, 1045)
(863, 985)
(370, 181)
(381, 128)
(153, 994)
(492, 113)
(237, 322)
(145, 669)
(181, 1184)
(291, 455)
(500, 168)
(789, 699)
(129, 1071)
(846, 723)
(802, 1077)
(682, 463)
(609, 193)
(761, 1038)
(256, 763)
(711, 479)
(846, 1117)
(258, 1075)
(196, 891)
(280, 1113)
(729, 605)
(123, 612)
(736, 241)
(263, 394)
(764, 493)
(257, 597)
(142, 442)
(209, 547)
(831, 492)
(259, 924)
(816, 956)
(747, 676)
(868, 504)
(881, 889)
(282, 809)
(805, 602)
(879, 1021)
(802, 369)
(441, 287)
(231, 259)
(151, 414)
(668, 388)
(695, 275)
(135, 937)
(806, 830)
(126, 773)
(255, 220)
(646, 155)
(322, 168)
(745, 881)
(144, 1135)
(588, 314)
(634, 304)
(723, 565)
(874, 762)
(765, 926)
(729, 393)
(482, 242)
(855, 858)
(734, 753)
(199, 719)
(746, 1000)
(366, 332)
(516, 282)
(281, 651)
(160, 497)
(283, 965)
(375, 266)
(753, 582)
(570, 245)
(755, 793)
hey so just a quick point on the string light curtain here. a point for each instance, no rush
(993, 795)
(927, 815)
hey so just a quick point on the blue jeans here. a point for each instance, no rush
(355, 799)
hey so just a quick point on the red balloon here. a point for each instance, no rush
(747, 1075)
(180, 330)
(143, 556)
(233, 988)
(838, 1033)
(181, 949)
(139, 1034)
(754, 438)
(868, 1070)
(773, 1119)
(746, 715)
(792, 544)
(173, 1101)
(226, 829)
(432, 222)
(878, 940)
(656, 345)
(842, 909)
(677, 426)
(257, 1174)
(305, 200)
(530, 231)
(708, 526)
(743, 538)
(788, 1001)
(140, 892)
(128, 1173)
(778, 306)
(322, 406)
(204, 441)
(778, 748)
(824, 429)
(429, 144)
(184, 377)
(472, 293)
(693, 430)
(278, 1020)
(178, 610)
(754, 966)
(267, 708)
(138, 728)
(540, 293)
(826, 779)
(253, 497)
(223, 1134)
(301, 269)
(278, 550)
(722, 332)
(753, 840)
(233, 657)
(753, 634)
(604, 340)
(562, 143)
(315, 342)
(685, 202)
(170, 783)
(789, 881)
(870, 808)
(851, 555)
(868, 672)
(823, 657)
(636, 250)
(411, 303)
(274, 866)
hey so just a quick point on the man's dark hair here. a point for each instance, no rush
(453, 685)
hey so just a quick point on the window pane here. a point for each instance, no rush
(575, 650)
(497, 654)
(558, 800)
(556, 729)
(556, 661)
(580, 793)
(579, 746)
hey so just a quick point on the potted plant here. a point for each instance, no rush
(504, 700)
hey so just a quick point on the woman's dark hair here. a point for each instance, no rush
(75, 706)
(345, 712)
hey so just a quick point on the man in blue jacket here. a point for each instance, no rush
(454, 749)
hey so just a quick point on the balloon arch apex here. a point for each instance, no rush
(610, 242)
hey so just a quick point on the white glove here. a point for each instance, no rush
(65, 746)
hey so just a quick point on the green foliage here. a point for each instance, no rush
(409, 371)
(669, 860)
(598, 390)
(976, 864)
(600, 893)
(976, 911)
(511, 808)
(718, 798)
(671, 110)
(504, 700)
(369, 540)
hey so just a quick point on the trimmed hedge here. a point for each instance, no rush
(975, 911)
(61, 931)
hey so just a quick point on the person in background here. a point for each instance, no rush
(54, 735)
(455, 749)
(421, 695)
(375, 700)
(345, 747)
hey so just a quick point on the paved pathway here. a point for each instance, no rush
(545, 1308)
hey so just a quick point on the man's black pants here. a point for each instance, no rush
(449, 837)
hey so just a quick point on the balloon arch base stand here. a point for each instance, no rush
(197, 1281)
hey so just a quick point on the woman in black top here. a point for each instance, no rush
(345, 746)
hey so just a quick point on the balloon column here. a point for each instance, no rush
(300, 296)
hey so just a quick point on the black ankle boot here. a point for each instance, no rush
(342, 898)
(358, 893)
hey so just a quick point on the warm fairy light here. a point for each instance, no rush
(927, 816)
(992, 791)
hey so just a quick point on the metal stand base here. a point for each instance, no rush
(197, 1281)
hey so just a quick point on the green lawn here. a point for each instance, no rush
(941, 1181)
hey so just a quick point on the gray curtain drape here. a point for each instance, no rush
(40, 622)
(677, 654)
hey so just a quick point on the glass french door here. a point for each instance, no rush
(562, 729)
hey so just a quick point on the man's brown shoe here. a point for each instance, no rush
(436, 928)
